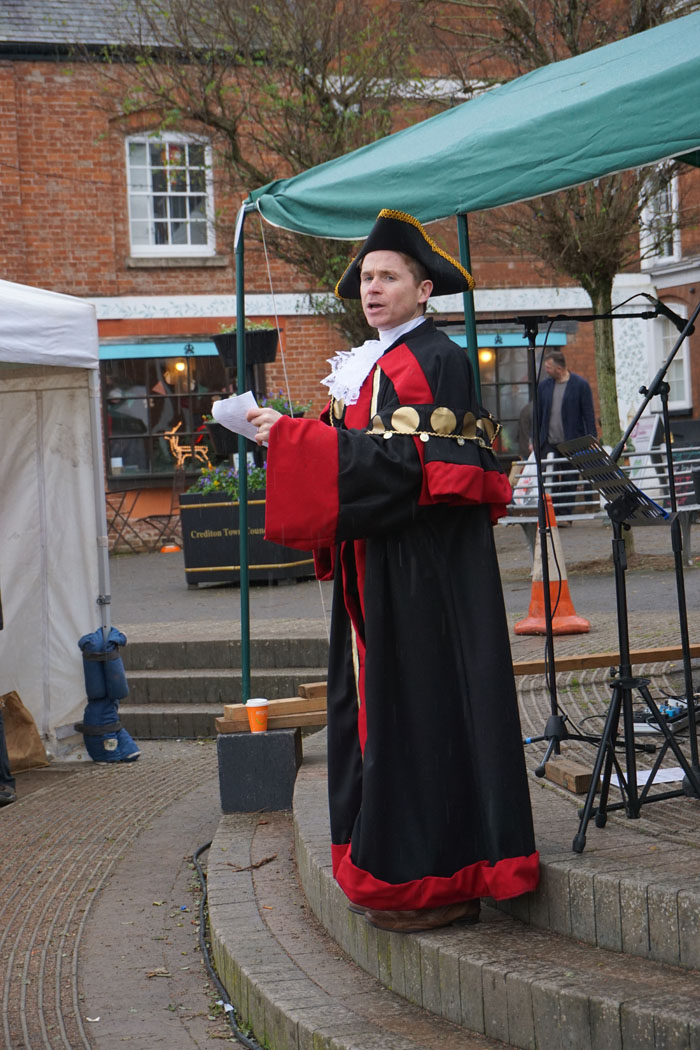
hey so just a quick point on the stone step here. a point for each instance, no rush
(215, 685)
(529, 986)
(169, 722)
(225, 654)
(634, 890)
(501, 982)
(286, 977)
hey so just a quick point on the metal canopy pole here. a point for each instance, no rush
(468, 297)
(104, 596)
(242, 463)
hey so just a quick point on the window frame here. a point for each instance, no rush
(662, 337)
(153, 250)
(652, 259)
(142, 450)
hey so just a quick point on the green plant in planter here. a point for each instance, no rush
(250, 326)
(224, 480)
(281, 403)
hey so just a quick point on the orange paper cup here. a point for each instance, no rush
(257, 714)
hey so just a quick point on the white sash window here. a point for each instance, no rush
(170, 196)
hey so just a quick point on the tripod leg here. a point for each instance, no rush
(690, 772)
(601, 812)
(607, 741)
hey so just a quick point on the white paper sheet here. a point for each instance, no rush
(231, 413)
(663, 776)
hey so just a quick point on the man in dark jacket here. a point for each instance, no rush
(565, 405)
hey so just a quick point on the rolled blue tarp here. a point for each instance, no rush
(105, 685)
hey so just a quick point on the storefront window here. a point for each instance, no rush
(503, 373)
(146, 398)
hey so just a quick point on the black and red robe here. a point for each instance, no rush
(429, 798)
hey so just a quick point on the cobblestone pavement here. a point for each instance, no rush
(61, 846)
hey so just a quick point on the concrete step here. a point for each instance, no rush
(286, 977)
(214, 685)
(169, 721)
(225, 654)
(540, 987)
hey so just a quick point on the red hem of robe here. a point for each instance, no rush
(508, 878)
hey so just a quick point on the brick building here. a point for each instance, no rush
(139, 224)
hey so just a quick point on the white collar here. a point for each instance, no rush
(350, 368)
(390, 335)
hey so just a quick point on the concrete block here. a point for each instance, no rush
(635, 918)
(663, 923)
(472, 993)
(606, 1026)
(575, 1019)
(545, 1015)
(430, 977)
(257, 770)
(495, 1002)
(521, 1023)
(581, 906)
(558, 892)
(608, 920)
(450, 993)
(689, 928)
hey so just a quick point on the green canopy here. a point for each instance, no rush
(631, 103)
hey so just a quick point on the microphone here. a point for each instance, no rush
(675, 319)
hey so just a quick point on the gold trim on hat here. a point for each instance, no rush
(403, 216)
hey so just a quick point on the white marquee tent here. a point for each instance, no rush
(53, 548)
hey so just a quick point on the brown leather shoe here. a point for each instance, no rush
(422, 919)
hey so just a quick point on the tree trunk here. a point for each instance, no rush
(601, 298)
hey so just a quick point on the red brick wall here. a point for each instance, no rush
(63, 226)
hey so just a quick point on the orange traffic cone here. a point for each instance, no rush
(564, 618)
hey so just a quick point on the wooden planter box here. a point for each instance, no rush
(211, 535)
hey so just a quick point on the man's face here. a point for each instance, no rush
(553, 369)
(389, 292)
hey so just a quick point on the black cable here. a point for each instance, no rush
(228, 1006)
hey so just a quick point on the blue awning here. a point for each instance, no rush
(122, 351)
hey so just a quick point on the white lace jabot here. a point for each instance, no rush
(350, 368)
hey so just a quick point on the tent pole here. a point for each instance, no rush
(104, 597)
(468, 297)
(242, 463)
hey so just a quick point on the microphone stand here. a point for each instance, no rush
(660, 387)
(555, 729)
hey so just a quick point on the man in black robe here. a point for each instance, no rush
(396, 490)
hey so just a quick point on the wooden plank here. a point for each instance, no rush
(607, 659)
(289, 705)
(313, 690)
(569, 774)
(303, 718)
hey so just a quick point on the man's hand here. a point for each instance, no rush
(264, 419)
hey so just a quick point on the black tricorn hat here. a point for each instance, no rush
(396, 231)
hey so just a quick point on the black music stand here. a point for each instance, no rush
(626, 505)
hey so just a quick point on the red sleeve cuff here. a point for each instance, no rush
(463, 483)
(302, 484)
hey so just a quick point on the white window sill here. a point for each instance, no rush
(170, 262)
